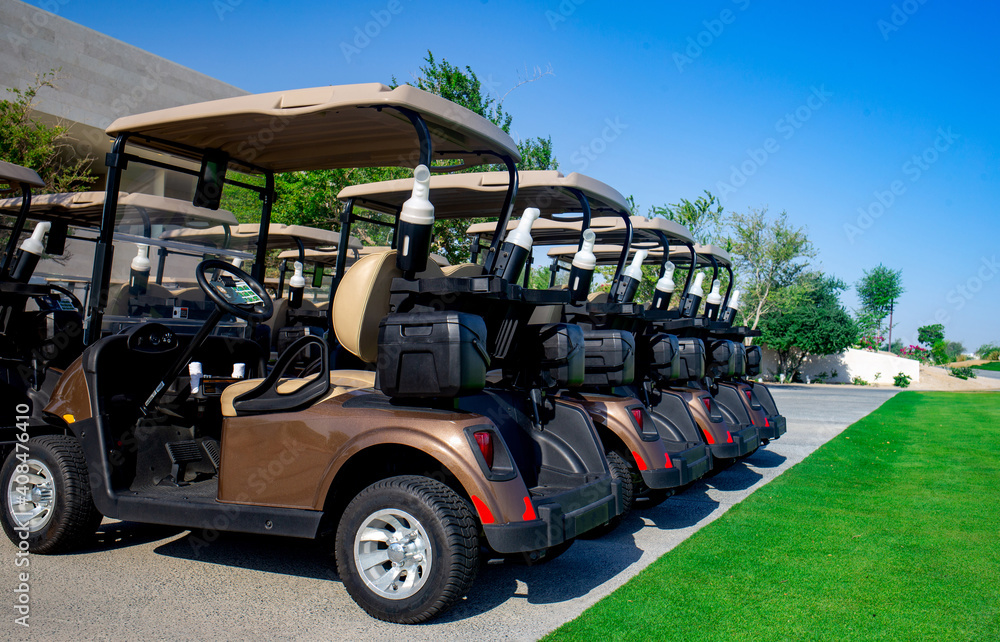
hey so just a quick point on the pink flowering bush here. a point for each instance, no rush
(916, 353)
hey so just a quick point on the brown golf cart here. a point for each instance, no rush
(655, 460)
(412, 480)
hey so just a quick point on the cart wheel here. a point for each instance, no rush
(407, 549)
(48, 496)
(621, 471)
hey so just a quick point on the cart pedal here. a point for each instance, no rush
(212, 450)
(181, 454)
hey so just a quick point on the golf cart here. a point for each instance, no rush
(410, 482)
(565, 204)
(679, 381)
(732, 384)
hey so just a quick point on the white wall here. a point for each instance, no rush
(849, 364)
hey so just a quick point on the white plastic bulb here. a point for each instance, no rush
(140, 262)
(584, 258)
(298, 280)
(521, 235)
(634, 270)
(696, 285)
(33, 244)
(715, 296)
(418, 209)
(666, 282)
(734, 301)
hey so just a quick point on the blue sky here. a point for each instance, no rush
(873, 124)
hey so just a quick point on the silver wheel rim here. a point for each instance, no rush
(31, 496)
(393, 553)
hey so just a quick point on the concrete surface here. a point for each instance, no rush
(154, 583)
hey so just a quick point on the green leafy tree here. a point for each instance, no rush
(44, 148)
(769, 255)
(989, 351)
(879, 290)
(703, 216)
(462, 86)
(811, 321)
(953, 349)
(928, 335)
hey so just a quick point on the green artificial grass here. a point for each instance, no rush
(890, 531)
(993, 365)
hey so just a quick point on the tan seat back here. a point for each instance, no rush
(598, 297)
(362, 301)
(462, 270)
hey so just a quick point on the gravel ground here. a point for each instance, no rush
(154, 583)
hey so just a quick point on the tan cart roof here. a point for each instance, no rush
(328, 258)
(85, 209)
(11, 173)
(481, 194)
(608, 254)
(324, 128)
(279, 236)
(609, 229)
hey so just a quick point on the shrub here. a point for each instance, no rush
(963, 373)
(916, 353)
(821, 377)
(901, 380)
(962, 357)
(858, 381)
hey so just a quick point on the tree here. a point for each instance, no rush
(930, 334)
(769, 255)
(41, 147)
(703, 216)
(879, 289)
(989, 351)
(953, 349)
(463, 87)
(811, 322)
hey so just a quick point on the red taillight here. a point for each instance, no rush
(767, 422)
(485, 440)
(637, 415)
(670, 464)
(749, 395)
(529, 510)
(729, 437)
(639, 461)
(708, 404)
(709, 438)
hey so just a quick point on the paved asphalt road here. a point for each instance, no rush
(142, 582)
(991, 374)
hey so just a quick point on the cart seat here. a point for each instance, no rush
(463, 270)
(362, 301)
(341, 381)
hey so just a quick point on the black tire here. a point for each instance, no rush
(71, 518)
(622, 471)
(452, 542)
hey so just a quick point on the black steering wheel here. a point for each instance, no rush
(226, 293)
(72, 297)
